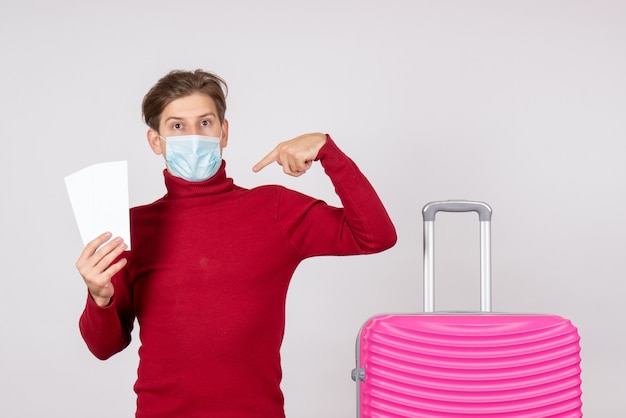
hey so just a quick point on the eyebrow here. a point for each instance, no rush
(198, 117)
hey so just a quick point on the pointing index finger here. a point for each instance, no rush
(267, 160)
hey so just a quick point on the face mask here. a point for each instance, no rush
(193, 157)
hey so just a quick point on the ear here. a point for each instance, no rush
(224, 138)
(154, 141)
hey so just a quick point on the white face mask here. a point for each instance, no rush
(193, 157)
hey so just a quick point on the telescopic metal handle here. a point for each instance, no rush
(484, 215)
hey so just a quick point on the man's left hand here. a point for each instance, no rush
(295, 155)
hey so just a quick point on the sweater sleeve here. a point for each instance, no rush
(107, 330)
(361, 226)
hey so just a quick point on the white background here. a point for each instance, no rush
(520, 104)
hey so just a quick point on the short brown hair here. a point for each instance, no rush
(177, 84)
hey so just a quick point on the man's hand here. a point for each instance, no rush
(94, 265)
(295, 155)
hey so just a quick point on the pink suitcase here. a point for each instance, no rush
(476, 364)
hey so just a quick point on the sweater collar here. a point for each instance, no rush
(178, 188)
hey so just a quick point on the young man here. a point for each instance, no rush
(211, 262)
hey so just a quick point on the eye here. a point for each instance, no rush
(177, 126)
(205, 123)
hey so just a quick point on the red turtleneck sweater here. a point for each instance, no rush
(207, 279)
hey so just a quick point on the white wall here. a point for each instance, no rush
(520, 104)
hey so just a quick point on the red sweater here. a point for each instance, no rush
(207, 279)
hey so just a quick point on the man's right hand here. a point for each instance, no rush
(94, 265)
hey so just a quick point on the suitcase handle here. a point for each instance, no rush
(484, 215)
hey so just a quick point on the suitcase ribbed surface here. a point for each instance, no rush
(448, 365)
